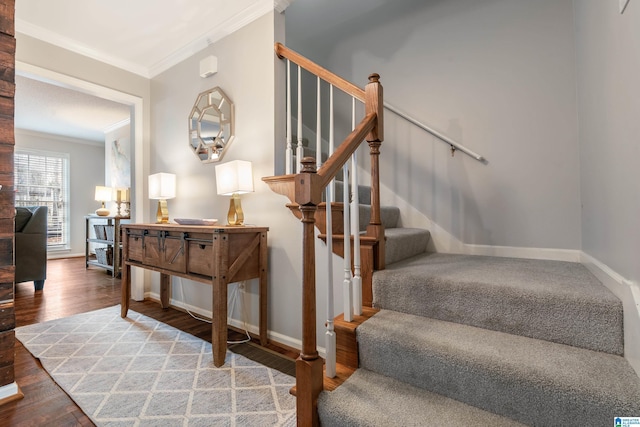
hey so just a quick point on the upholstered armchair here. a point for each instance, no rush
(31, 245)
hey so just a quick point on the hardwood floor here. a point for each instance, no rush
(71, 289)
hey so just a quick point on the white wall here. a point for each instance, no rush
(246, 67)
(608, 64)
(86, 170)
(497, 76)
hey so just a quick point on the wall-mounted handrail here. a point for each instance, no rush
(454, 145)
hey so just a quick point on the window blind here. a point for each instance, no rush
(42, 179)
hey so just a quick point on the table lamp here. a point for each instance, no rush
(162, 186)
(232, 179)
(121, 196)
(103, 194)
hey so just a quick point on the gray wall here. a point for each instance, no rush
(86, 170)
(608, 64)
(496, 75)
(246, 73)
(609, 107)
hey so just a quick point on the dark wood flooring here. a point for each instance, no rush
(71, 289)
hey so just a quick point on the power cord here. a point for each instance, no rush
(230, 305)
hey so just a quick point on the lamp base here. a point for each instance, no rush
(235, 216)
(103, 212)
(162, 215)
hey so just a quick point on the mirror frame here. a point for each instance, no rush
(211, 103)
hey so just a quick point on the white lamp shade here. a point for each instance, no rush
(162, 186)
(120, 194)
(103, 194)
(234, 177)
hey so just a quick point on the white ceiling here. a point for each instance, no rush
(47, 108)
(144, 37)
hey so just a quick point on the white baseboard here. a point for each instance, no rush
(9, 392)
(517, 252)
(63, 254)
(629, 293)
(207, 314)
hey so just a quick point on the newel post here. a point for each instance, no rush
(309, 364)
(374, 103)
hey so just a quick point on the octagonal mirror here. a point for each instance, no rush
(211, 127)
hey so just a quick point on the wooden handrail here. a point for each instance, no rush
(326, 75)
(343, 153)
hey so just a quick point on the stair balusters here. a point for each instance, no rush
(305, 189)
(289, 149)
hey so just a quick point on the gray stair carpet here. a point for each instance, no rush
(532, 381)
(551, 300)
(368, 399)
(404, 242)
(389, 216)
(364, 193)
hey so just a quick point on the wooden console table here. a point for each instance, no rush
(216, 255)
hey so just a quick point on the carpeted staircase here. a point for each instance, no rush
(484, 341)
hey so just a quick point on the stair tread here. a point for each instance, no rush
(370, 399)
(508, 374)
(553, 300)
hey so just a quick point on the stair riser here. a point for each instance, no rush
(520, 389)
(364, 193)
(519, 401)
(547, 320)
(569, 318)
(405, 245)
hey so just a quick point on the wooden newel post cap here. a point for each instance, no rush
(308, 165)
(308, 184)
(374, 78)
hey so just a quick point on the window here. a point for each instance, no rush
(42, 179)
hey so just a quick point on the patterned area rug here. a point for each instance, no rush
(141, 372)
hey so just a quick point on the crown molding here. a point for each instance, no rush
(225, 28)
(281, 5)
(63, 42)
(239, 20)
(56, 137)
(117, 125)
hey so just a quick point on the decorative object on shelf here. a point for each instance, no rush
(211, 127)
(103, 194)
(232, 179)
(106, 245)
(188, 221)
(162, 186)
(122, 198)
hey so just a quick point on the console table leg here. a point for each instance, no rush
(219, 322)
(125, 289)
(165, 290)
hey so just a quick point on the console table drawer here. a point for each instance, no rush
(200, 258)
(165, 249)
(135, 243)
